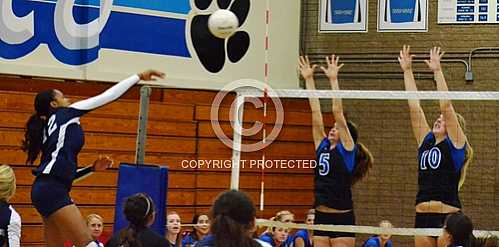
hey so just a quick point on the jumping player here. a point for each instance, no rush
(443, 154)
(342, 161)
(54, 130)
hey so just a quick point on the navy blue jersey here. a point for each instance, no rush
(374, 241)
(303, 234)
(440, 167)
(147, 237)
(62, 141)
(10, 226)
(63, 136)
(334, 176)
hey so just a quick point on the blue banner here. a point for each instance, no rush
(122, 31)
(343, 11)
(402, 10)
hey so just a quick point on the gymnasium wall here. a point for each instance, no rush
(390, 191)
(153, 34)
(179, 129)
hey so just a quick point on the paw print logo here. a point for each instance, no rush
(212, 51)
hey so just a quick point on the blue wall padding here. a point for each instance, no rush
(149, 179)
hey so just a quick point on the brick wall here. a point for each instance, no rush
(390, 190)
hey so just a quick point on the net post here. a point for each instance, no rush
(237, 135)
(145, 95)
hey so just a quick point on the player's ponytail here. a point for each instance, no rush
(233, 216)
(139, 211)
(364, 158)
(33, 136)
(468, 156)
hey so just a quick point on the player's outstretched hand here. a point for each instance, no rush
(151, 75)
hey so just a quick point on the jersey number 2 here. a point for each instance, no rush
(324, 164)
(51, 125)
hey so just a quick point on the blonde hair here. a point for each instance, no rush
(385, 222)
(280, 215)
(172, 212)
(468, 156)
(7, 183)
(94, 216)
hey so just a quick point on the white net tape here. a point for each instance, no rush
(372, 230)
(373, 94)
(368, 229)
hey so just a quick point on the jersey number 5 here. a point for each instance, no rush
(324, 164)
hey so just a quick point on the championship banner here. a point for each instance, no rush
(107, 40)
(343, 16)
(402, 15)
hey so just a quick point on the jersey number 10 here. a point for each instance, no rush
(431, 157)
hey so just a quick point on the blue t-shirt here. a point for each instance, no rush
(374, 241)
(267, 238)
(62, 141)
(188, 240)
(303, 234)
